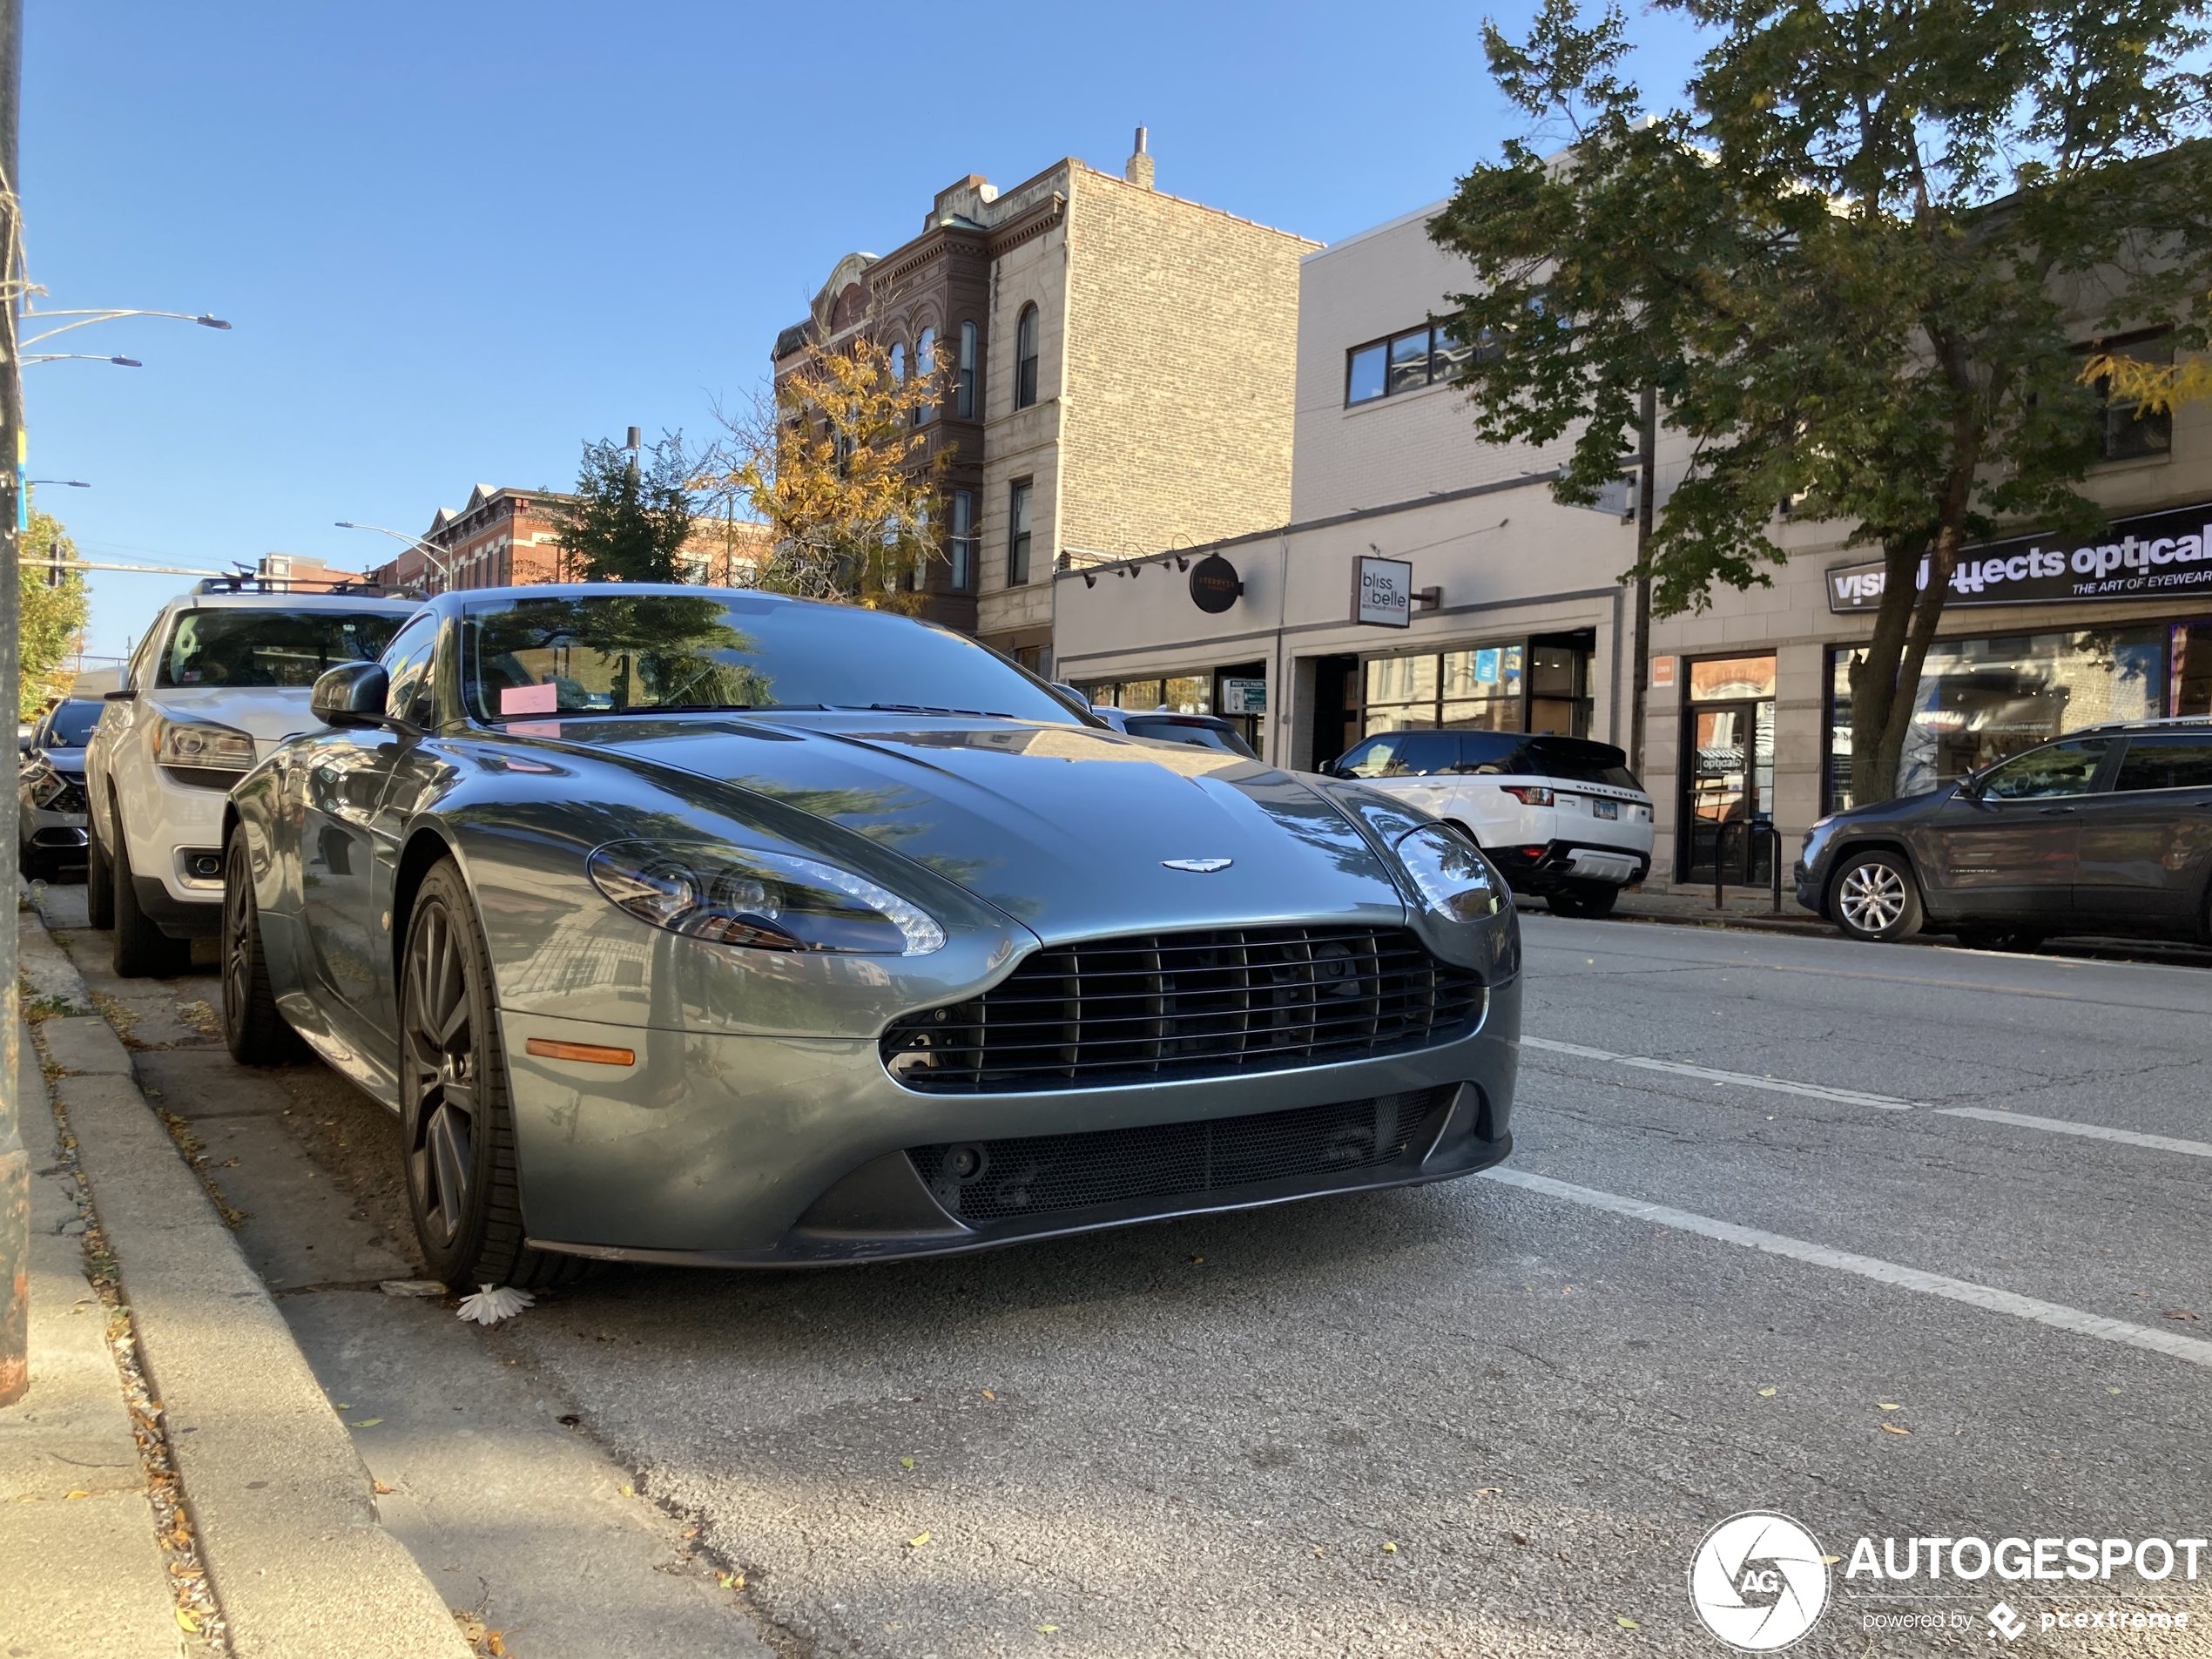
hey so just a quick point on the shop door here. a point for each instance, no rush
(1726, 787)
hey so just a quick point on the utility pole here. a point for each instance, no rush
(15, 1162)
(1640, 653)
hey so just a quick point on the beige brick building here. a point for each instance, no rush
(1132, 385)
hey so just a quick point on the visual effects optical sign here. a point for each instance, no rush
(2155, 555)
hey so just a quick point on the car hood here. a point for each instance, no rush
(70, 760)
(1070, 829)
(267, 713)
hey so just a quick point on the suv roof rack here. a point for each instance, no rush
(248, 583)
(2155, 722)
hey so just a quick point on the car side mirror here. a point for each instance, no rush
(353, 694)
(1328, 769)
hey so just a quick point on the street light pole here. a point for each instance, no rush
(14, 1161)
(430, 550)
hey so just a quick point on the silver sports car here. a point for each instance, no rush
(684, 924)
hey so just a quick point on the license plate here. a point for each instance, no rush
(1606, 808)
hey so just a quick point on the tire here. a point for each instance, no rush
(142, 950)
(456, 1127)
(255, 1033)
(1589, 900)
(1874, 898)
(99, 879)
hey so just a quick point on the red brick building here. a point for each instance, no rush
(506, 537)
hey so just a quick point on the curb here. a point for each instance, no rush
(282, 1506)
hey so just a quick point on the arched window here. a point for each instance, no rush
(1025, 358)
(964, 395)
(925, 366)
(898, 363)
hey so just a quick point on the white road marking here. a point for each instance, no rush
(2193, 1348)
(2093, 1131)
(1780, 1086)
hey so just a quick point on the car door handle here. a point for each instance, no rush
(2052, 811)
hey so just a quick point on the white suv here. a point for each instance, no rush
(1561, 816)
(219, 680)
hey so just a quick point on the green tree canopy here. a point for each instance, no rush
(53, 611)
(1859, 271)
(630, 516)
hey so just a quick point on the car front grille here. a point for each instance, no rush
(987, 1181)
(1222, 1002)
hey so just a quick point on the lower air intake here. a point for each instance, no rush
(1001, 1180)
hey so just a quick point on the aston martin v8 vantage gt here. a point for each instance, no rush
(686, 925)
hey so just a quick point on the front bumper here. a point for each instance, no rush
(1559, 863)
(761, 1151)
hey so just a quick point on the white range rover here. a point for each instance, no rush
(219, 680)
(1562, 817)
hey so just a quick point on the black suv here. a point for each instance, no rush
(2108, 830)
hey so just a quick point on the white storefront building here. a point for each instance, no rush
(1512, 616)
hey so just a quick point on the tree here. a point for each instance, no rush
(1858, 272)
(630, 516)
(837, 462)
(53, 611)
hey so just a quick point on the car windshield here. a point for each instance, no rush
(1191, 732)
(237, 646)
(631, 653)
(71, 723)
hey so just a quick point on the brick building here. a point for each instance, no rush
(1123, 375)
(505, 537)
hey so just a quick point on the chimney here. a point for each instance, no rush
(1139, 170)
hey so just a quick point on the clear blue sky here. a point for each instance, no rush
(458, 239)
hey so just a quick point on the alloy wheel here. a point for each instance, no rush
(1871, 897)
(439, 1044)
(237, 938)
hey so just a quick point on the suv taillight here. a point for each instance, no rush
(1529, 794)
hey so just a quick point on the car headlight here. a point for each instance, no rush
(1455, 880)
(47, 786)
(201, 753)
(739, 895)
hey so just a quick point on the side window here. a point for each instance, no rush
(2166, 763)
(1488, 752)
(1371, 758)
(142, 660)
(964, 388)
(2055, 769)
(1025, 358)
(1428, 754)
(407, 660)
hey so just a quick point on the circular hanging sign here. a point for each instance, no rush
(1214, 586)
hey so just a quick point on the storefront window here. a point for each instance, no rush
(1541, 685)
(1980, 700)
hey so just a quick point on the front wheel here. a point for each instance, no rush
(142, 950)
(99, 878)
(1875, 898)
(253, 1029)
(1587, 901)
(456, 1128)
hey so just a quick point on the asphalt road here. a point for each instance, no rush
(1495, 1416)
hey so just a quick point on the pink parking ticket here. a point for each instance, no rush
(530, 699)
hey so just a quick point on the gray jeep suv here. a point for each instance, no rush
(2108, 830)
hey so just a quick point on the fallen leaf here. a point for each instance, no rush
(730, 1580)
(1488, 1491)
(1197, 1259)
(1768, 1393)
(368, 1422)
(383, 1491)
(1390, 1548)
(988, 1395)
(79, 1493)
(918, 1540)
(1047, 1629)
(188, 1621)
(2112, 1391)
(1626, 1624)
(905, 1463)
(1830, 1560)
(629, 1491)
(494, 1644)
(1885, 1405)
(2183, 1313)
(1892, 1428)
(343, 1406)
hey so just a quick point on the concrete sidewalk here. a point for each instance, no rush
(281, 1508)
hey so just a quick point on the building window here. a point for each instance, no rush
(964, 393)
(920, 577)
(2130, 432)
(925, 366)
(1017, 542)
(1405, 362)
(898, 362)
(961, 543)
(1025, 358)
